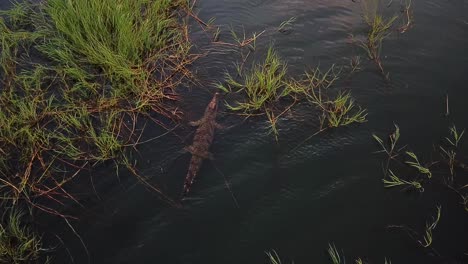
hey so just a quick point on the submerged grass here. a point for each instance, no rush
(77, 77)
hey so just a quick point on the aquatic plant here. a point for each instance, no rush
(18, 244)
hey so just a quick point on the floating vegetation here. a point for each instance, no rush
(78, 76)
(18, 244)
(267, 84)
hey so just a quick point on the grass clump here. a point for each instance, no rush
(78, 76)
(266, 85)
(18, 244)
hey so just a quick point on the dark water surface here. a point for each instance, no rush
(294, 201)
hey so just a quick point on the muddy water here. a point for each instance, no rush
(293, 200)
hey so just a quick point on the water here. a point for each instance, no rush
(294, 201)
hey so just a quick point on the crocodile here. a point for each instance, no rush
(202, 141)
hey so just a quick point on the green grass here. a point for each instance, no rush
(77, 76)
(18, 244)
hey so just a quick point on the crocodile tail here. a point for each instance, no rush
(195, 164)
(188, 182)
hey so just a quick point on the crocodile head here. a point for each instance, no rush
(214, 102)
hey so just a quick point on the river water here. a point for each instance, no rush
(295, 200)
